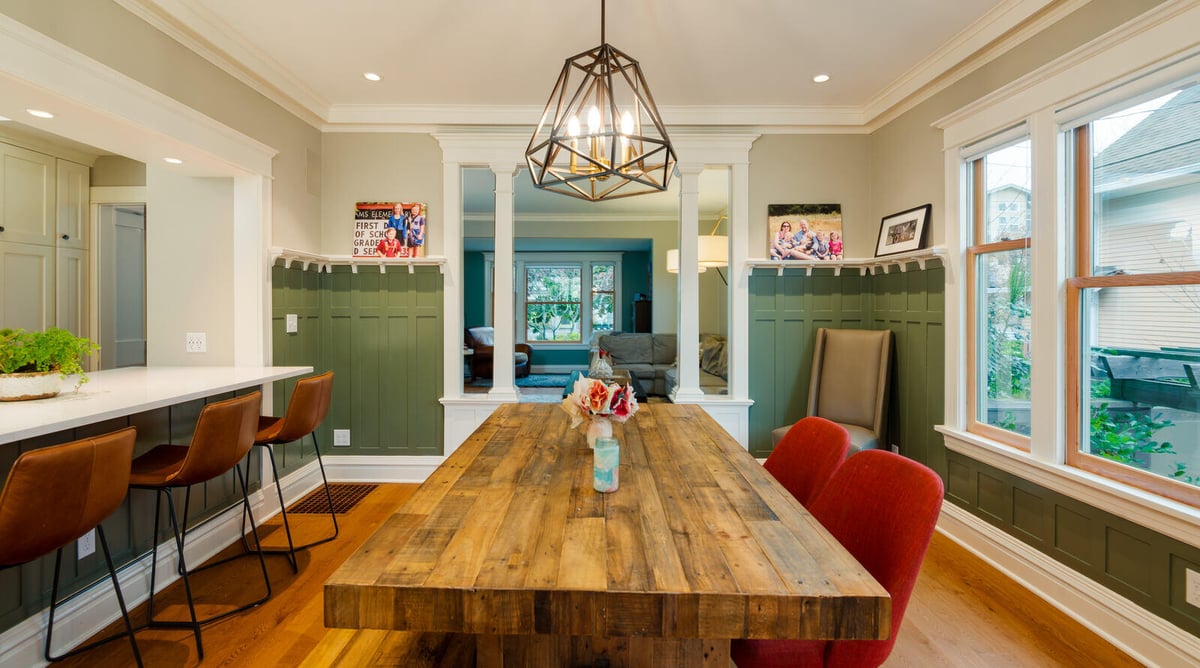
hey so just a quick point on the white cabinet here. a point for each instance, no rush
(27, 286)
(45, 224)
(27, 195)
(72, 219)
(71, 290)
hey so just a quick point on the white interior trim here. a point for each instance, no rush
(1170, 518)
(1131, 628)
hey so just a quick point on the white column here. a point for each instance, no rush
(739, 280)
(452, 280)
(502, 281)
(689, 284)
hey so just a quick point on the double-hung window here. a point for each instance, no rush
(998, 270)
(564, 298)
(1133, 304)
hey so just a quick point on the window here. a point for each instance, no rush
(553, 302)
(1134, 302)
(563, 298)
(999, 297)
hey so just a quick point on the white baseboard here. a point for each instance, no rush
(1130, 627)
(96, 607)
(380, 468)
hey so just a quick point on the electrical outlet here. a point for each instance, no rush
(341, 438)
(196, 342)
(87, 545)
(291, 323)
(1193, 587)
(895, 448)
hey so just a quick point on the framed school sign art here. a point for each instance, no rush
(389, 229)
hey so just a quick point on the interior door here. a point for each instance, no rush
(122, 300)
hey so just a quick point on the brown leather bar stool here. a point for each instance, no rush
(305, 412)
(55, 495)
(224, 433)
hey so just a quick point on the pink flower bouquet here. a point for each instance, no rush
(593, 398)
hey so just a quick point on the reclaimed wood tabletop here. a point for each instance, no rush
(508, 541)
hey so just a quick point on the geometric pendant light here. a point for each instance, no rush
(600, 136)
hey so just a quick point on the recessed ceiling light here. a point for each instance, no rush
(39, 113)
(173, 161)
(821, 78)
(371, 76)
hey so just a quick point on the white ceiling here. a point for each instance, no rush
(708, 62)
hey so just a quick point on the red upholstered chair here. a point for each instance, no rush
(809, 453)
(882, 508)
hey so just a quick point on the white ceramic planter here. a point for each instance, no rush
(24, 386)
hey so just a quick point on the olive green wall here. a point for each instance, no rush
(381, 335)
(25, 589)
(1136, 562)
(785, 312)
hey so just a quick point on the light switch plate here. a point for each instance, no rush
(341, 438)
(291, 323)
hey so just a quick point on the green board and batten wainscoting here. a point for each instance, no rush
(381, 335)
(1144, 566)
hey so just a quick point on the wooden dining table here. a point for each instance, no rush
(508, 548)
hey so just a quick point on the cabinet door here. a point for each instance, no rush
(26, 196)
(72, 204)
(26, 286)
(71, 291)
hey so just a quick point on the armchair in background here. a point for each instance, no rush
(482, 341)
(849, 384)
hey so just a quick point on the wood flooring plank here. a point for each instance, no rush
(963, 613)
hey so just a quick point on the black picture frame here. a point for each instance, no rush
(903, 232)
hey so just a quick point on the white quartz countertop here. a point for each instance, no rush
(121, 392)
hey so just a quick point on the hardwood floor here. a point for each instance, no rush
(963, 612)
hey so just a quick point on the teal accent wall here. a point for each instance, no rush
(635, 278)
(25, 589)
(381, 334)
(1132, 560)
(474, 314)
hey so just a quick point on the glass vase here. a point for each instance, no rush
(599, 426)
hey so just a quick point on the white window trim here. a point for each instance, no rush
(586, 259)
(1137, 59)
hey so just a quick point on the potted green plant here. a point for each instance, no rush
(33, 365)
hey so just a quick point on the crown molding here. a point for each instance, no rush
(200, 31)
(993, 35)
(1001, 29)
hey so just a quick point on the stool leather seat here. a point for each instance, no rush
(223, 436)
(55, 495)
(306, 411)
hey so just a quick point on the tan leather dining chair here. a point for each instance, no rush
(55, 495)
(849, 384)
(305, 412)
(224, 433)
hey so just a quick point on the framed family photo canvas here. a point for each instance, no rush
(389, 229)
(804, 231)
(903, 232)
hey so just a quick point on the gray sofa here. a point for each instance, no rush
(714, 366)
(647, 357)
